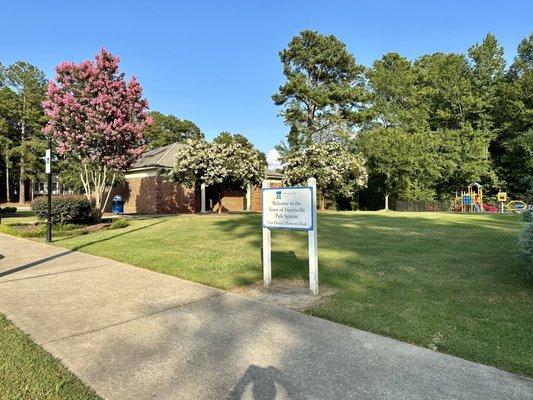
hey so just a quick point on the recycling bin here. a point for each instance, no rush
(117, 206)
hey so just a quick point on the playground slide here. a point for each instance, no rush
(489, 208)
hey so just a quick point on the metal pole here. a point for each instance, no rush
(49, 174)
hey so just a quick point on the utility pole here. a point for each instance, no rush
(48, 159)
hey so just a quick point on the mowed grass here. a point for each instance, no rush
(28, 372)
(448, 282)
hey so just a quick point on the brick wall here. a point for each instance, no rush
(153, 195)
(232, 201)
(257, 205)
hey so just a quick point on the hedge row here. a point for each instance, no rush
(66, 209)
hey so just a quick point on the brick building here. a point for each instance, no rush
(146, 191)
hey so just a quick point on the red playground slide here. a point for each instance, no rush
(489, 208)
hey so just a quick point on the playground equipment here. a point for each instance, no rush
(502, 199)
(516, 206)
(472, 199)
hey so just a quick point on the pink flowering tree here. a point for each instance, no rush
(97, 120)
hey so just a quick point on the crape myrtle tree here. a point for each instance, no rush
(223, 164)
(97, 120)
(338, 172)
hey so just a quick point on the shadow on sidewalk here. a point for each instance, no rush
(262, 382)
(34, 263)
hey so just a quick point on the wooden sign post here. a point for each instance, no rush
(292, 208)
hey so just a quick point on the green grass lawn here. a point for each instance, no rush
(444, 281)
(28, 372)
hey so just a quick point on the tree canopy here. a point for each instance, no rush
(323, 91)
(168, 129)
(222, 165)
(97, 120)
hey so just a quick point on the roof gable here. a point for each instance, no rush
(161, 157)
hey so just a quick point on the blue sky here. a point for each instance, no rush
(216, 63)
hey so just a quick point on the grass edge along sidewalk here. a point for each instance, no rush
(27, 371)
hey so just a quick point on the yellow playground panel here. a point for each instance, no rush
(516, 206)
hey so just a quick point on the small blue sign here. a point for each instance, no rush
(467, 200)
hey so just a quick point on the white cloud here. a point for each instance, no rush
(273, 159)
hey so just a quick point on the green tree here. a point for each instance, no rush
(29, 85)
(227, 138)
(403, 152)
(403, 161)
(395, 94)
(324, 89)
(8, 135)
(167, 129)
(455, 111)
(488, 70)
(513, 117)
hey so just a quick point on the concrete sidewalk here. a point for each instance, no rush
(131, 333)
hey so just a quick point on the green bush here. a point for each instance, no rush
(8, 210)
(527, 216)
(66, 209)
(119, 223)
(525, 248)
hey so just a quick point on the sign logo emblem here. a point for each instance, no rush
(278, 195)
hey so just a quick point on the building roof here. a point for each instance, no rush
(165, 157)
(271, 173)
(161, 157)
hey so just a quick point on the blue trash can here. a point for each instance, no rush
(117, 206)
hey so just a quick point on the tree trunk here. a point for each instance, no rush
(386, 202)
(22, 189)
(322, 202)
(8, 195)
(22, 186)
(32, 186)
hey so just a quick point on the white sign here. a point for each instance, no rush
(288, 208)
(48, 160)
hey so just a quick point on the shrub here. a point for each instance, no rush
(119, 223)
(65, 209)
(525, 248)
(527, 216)
(8, 210)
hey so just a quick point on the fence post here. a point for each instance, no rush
(313, 245)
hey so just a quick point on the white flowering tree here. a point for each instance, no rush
(337, 171)
(222, 165)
